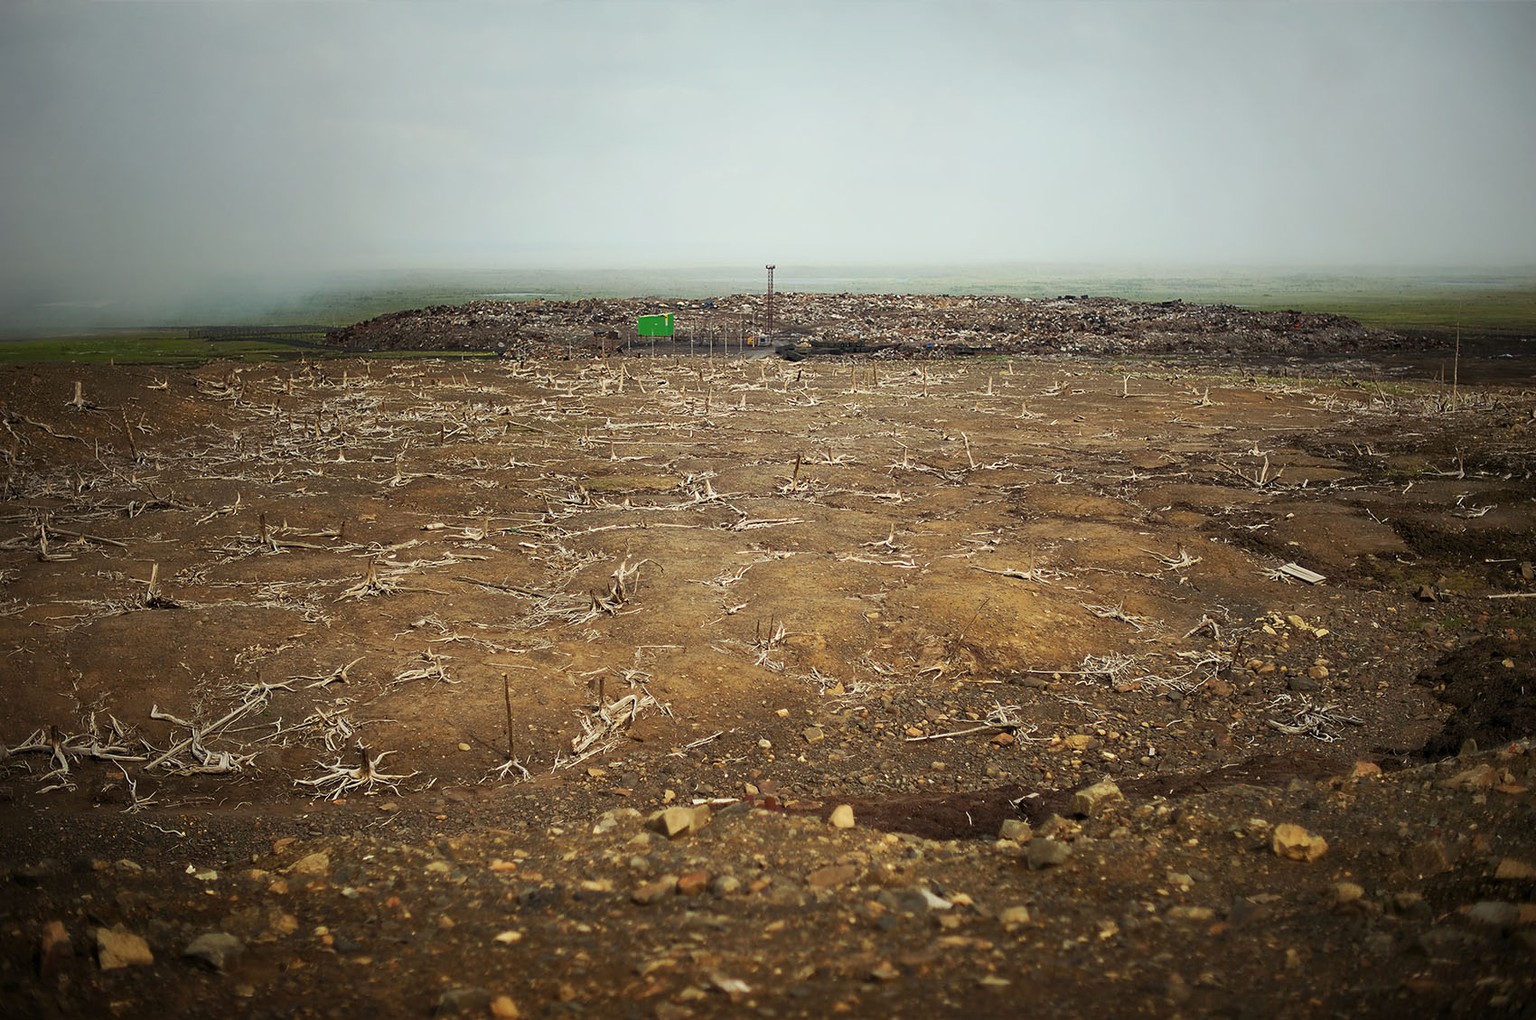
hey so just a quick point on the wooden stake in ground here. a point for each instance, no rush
(132, 446)
(506, 693)
(1456, 368)
(152, 593)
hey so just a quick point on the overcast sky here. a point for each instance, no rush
(160, 146)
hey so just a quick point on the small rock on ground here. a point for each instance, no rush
(216, 949)
(1047, 853)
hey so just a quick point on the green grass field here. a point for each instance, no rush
(149, 348)
(161, 348)
(1497, 312)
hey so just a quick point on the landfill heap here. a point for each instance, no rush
(888, 325)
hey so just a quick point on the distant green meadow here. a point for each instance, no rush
(174, 347)
(1502, 304)
(1488, 312)
(150, 348)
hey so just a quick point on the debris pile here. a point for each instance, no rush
(895, 325)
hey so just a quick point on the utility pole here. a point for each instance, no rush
(768, 333)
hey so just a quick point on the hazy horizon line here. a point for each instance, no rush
(237, 302)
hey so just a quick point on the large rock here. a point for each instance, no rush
(1014, 916)
(315, 865)
(655, 891)
(1295, 843)
(117, 948)
(1512, 868)
(1016, 829)
(462, 1001)
(1095, 800)
(831, 876)
(1502, 915)
(53, 949)
(1428, 857)
(675, 822)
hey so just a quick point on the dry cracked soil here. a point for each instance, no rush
(682, 687)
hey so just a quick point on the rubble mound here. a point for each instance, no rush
(892, 324)
(1488, 683)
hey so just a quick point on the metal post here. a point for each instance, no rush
(768, 331)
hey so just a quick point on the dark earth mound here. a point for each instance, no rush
(1491, 683)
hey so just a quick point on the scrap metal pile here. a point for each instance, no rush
(893, 325)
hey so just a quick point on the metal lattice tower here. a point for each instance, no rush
(768, 332)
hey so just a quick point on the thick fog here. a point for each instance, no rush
(159, 151)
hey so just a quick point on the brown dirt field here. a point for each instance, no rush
(945, 593)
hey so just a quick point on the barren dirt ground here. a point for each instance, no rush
(378, 672)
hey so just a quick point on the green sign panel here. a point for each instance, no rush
(655, 325)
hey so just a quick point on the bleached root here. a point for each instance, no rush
(611, 718)
(336, 780)
(1320, 722)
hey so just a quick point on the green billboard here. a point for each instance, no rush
(654, 325)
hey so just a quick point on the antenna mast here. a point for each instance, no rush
(768, 333)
